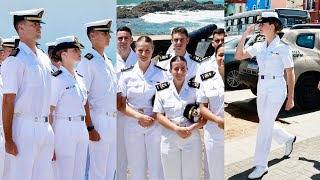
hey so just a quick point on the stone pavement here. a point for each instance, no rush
(303, 163)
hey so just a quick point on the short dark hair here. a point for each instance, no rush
(16, 22)
(145, 39)
(125, 28)
(180, 30)
(218, 31)
(177, 58)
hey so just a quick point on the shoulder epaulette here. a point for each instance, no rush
(192, 79)
(196, 58)
(160, 68)
(89, 56)
(194, 84)
(57, 73)
(162, 86)
(164, 57)
(15, 52)
(207, 75)
(127, 68)
(206, 58)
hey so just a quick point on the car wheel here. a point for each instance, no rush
(232, 78)
(307, 96)
(254, 91)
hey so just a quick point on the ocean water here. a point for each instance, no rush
(163, 22)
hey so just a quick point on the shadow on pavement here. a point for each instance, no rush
(316, 164)
(247, 110)
(244, 175)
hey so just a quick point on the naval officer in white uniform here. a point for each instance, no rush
(274, 57)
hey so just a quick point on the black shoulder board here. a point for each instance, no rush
(88, 56)
(127, 68)
(194, 85)
(55, 74)
(164, 57)
(207, 75)
(160, 68)
(206, 58)
(15, 52)
(162, 86)
(192, 79)
(196, 58)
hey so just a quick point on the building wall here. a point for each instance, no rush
(278, 3)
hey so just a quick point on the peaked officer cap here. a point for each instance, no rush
(33, 15)
(269, 17)
(191, 112)
(103, 25)
(66, 43)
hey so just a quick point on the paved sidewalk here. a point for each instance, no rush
(303, 163)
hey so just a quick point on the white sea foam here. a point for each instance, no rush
(203, 17)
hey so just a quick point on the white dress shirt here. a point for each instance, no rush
(100, 80)
(28, 75)
(68, 95)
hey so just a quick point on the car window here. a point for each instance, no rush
(306, 40)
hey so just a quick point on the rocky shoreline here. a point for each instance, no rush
(159, 6)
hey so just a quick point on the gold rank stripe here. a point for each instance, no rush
(32, 18)
(99, 29)
(8, 45)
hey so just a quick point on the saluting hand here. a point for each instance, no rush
(94, 135)
(289, 104)
(249, 30)
(11, 148)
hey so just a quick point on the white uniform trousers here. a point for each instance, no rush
(181, 158)
(122, 160)
(143, 150)
(214, 145)
(2, 153)
(270, 97)
(103, 155)
(71, 145)
(35, 143)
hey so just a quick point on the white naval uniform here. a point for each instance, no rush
(192, 65)
(100, 80)
(212, 92)
(142, 144)
(69, 96)
(28, 75)
(131, 60)
(181, 158)
(122, 160)
(271, 94)
(54, 68)
(2, 143)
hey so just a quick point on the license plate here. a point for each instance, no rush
(252, 65)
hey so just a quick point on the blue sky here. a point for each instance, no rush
(63, 18)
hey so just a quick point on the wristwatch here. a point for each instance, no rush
(90, 128)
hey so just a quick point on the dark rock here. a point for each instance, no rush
(158, 6)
